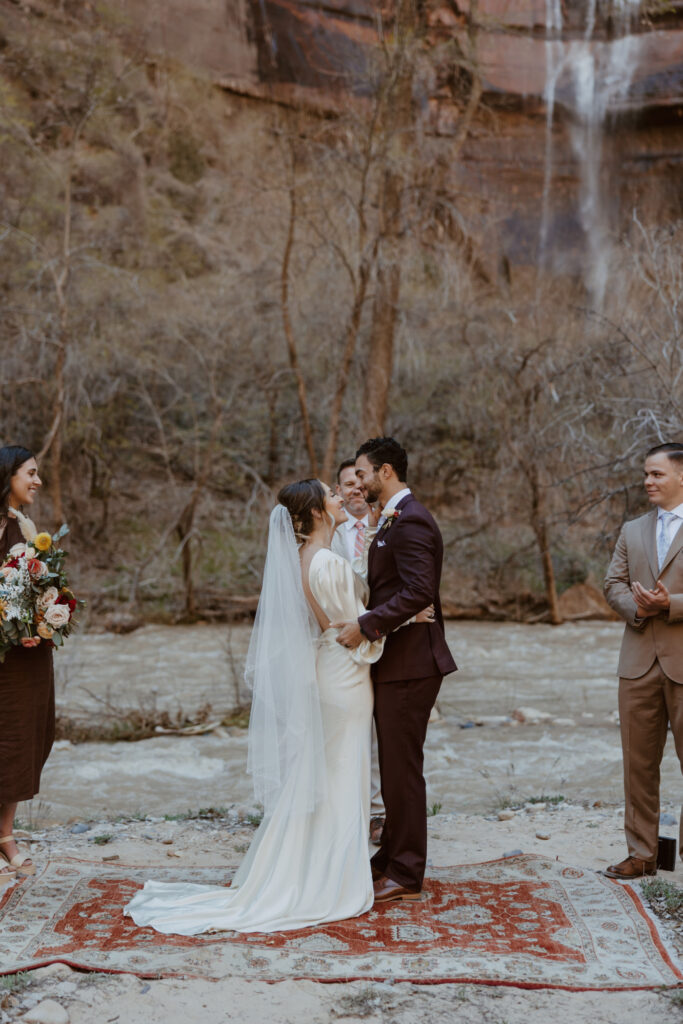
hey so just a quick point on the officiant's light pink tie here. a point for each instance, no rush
(360, 539)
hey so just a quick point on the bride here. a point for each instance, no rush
(309, 744)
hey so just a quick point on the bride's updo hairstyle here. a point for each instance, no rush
(300, 498)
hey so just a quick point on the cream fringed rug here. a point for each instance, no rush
(524, 921)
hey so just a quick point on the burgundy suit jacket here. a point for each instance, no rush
(404, 573)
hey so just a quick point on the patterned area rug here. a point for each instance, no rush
(524, 921)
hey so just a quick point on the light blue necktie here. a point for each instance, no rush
(663, 540)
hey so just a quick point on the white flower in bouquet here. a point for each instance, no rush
(21, 550)
(57, 615)
(17, 594)
(48, 597)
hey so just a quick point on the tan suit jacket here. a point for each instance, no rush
(659, 637)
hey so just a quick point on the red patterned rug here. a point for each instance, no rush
(524, 921)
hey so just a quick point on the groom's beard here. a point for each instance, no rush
(371, 492)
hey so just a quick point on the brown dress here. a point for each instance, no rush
(27, 707)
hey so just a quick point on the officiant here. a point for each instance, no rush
(352, 541)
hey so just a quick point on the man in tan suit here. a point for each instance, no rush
(644, 585)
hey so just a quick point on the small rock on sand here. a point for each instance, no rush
(47, 1012)
(530, 716)
(50, 971)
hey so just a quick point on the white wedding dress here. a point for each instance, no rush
(302, 868)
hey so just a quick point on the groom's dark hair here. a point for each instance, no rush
(379, 450)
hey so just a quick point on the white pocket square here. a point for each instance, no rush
(381, 543)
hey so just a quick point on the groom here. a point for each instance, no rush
(404, 571)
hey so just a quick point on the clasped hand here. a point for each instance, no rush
(650, 602)
(350, 634)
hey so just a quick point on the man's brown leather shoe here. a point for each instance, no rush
(387, 890)
(631, 868)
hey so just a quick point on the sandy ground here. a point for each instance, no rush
(566, 674)
(588, 837)
(99, 998)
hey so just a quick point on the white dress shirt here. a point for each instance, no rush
(392, 503)
(670, 525)
(347, 531)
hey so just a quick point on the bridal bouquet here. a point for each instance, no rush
(36, 603)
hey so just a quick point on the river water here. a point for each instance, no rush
(566, 672)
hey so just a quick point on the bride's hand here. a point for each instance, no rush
(426, 615)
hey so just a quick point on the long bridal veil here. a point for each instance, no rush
(286, 742)
(308, 861)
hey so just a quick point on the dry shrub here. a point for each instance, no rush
(117, 725)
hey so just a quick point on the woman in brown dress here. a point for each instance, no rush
(27, 696)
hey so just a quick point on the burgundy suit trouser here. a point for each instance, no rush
(646, 707)
(402, 710)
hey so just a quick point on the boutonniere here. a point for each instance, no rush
(389, 518)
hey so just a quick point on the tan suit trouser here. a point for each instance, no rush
(646, 706)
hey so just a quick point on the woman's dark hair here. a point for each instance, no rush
(300, 498)
(12, 458)
(379, 450)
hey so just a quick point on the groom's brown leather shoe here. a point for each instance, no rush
(387, 890)
(631, 868)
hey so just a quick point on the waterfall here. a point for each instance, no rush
(554, 65)
(591, 79)
(601, 83)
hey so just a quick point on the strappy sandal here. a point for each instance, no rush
(7, 874)
(18, 863)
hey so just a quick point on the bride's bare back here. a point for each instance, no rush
(307, 555)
